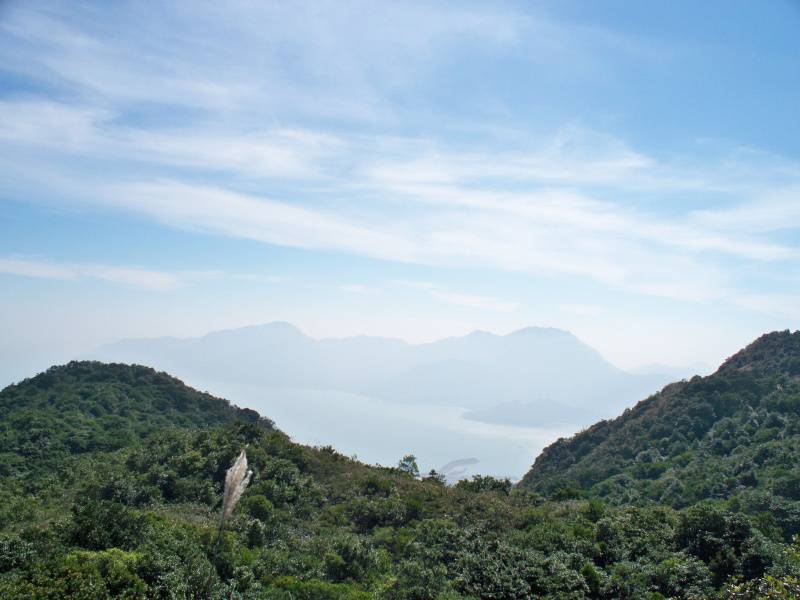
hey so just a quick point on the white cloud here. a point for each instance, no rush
(33, 268)
(130, 276)
(775, 304)
(66, 129)
(312, 58)
(50, 124)
(254, 278)
(584, 310)
(358, 288)
(434, 213)
(474, 187)
(472, 301)
(213, 210)
(771, 211)
(206, 128)
(448, 296)
(574, 237)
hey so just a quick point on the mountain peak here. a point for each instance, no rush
(480, 333)
(709, 436)
(283, 326)
(777, 352)
(104, 393)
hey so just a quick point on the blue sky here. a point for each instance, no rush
(629, 171)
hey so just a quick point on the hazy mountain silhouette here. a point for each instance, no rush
(529, 377)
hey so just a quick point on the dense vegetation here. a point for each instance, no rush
(91, 407)
(131, 512)
(732, 436)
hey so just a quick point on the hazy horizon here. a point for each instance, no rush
(12, 371)
(489, 402)
(493, 429)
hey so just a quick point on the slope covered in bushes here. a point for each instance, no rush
(90, 406)
(138, 519)
(734, 436)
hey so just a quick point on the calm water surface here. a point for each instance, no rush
(381, 432)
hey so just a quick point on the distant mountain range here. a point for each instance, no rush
(534, 376)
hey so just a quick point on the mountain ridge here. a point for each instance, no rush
(290, 327)
(531, 367)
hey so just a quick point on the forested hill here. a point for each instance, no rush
(111, 487)
(732, 435)
(92, 406)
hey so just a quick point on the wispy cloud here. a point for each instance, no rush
(770, 211)
(359, 288)
(78, 131)
(447, 296)
(125, 275)
(278, 128)
(472, 301)
(261, 57)
(215, 210)
(774, 304)
(570, 155)
(584, 310)
(550, 232)
(441, 213)
(556, 197)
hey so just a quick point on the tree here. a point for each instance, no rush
(408, 465)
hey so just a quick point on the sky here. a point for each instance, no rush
(629, 171)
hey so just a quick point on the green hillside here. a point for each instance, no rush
(734, 436)
(111, 486)
(90, 406)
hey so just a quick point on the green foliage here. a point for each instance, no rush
(731, 436)
(88, 407)
(485, 483)
(258, 507)
(350, 558)
(408, 465)
(291, 588)
(137, 518)
(101, 524)
(768, 588)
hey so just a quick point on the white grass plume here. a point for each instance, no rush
(236, 480)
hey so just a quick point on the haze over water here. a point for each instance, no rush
(382, 432)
